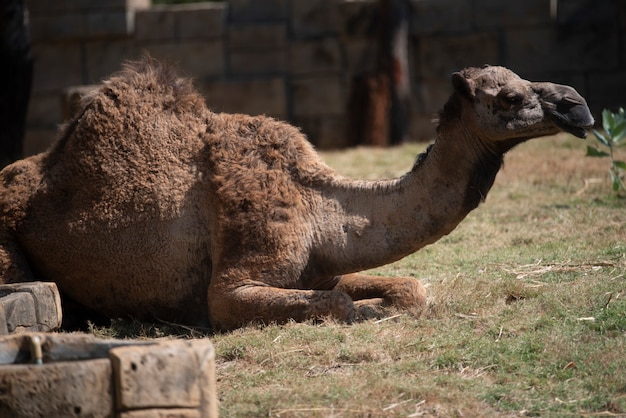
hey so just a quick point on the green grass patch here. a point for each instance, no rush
(526, 316)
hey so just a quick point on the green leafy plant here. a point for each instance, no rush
(614, 126)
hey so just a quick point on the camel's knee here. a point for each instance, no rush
(407, 293)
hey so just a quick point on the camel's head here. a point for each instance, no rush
(498, 105)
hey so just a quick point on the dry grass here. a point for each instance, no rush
(527, 310)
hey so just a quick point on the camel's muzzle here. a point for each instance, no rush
(565, 107)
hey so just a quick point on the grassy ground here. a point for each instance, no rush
(527, 312)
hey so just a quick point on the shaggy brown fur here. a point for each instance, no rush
(150, 205)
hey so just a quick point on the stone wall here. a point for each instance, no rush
(295, 59)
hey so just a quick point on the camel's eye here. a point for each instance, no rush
(512, 98)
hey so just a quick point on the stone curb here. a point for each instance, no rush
(73, 375)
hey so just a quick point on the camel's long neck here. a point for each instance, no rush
(381, 222)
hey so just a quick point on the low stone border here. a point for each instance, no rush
(77, 375)
(31, 306)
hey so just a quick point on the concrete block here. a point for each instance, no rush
(355, 18)
(314, 18)
(80, 375)
(440, 56)
(318, 96)
(422, 128)
(566, 49)
(17, 313)
(325, 132)
(165, 377)
(37, 140)
(156, 23)
(201, 20)
(253, 97)
(431, 94)
(192, 58)
(497, 14)
(104, 57)
(46, 6)
(315, 57)
(439, 16)
(360, 56)
(174, 374)
(65, 389)
(257, 36)
(33, 306)
(56, 67)
(257, 62)
(57, 27)
(162, 413)
(607, 90)
(107, 24)
(255, 11)
(44, 110)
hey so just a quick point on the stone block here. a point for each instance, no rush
(325, 132)
(17, 313)
(440, 56)
(201, 20)
(32, 306)
(438, 16)
(582, 13)
(498, 14)
(314, 18)
(257, 62)
(80, 375)
(192, 58)
(422, 127)
(44, 110)
(107, 24)
(315, 57)
(37, 140)
(606, 90)
(56, 66)
(46, 6)
(564, 49)
(57, 27)
(174, 374)
(431, 94)
(318, 96)
(65, 389)
(162, 413)
(104, 57)
(255, 10)
(360, 56)
(252, 97)
(257, 36)
(356, 17)
(165, 377)
(156, 23)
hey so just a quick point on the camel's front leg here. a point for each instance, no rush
(405, 293)
(229, 309)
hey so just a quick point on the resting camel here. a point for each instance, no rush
(149, 205)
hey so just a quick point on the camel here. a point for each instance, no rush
(149, 205)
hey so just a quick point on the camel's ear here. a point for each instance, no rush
(463, 85)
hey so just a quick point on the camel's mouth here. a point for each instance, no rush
(580, 132)
(566, 108)
(572, 115)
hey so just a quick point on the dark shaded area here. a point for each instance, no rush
(16, 66)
